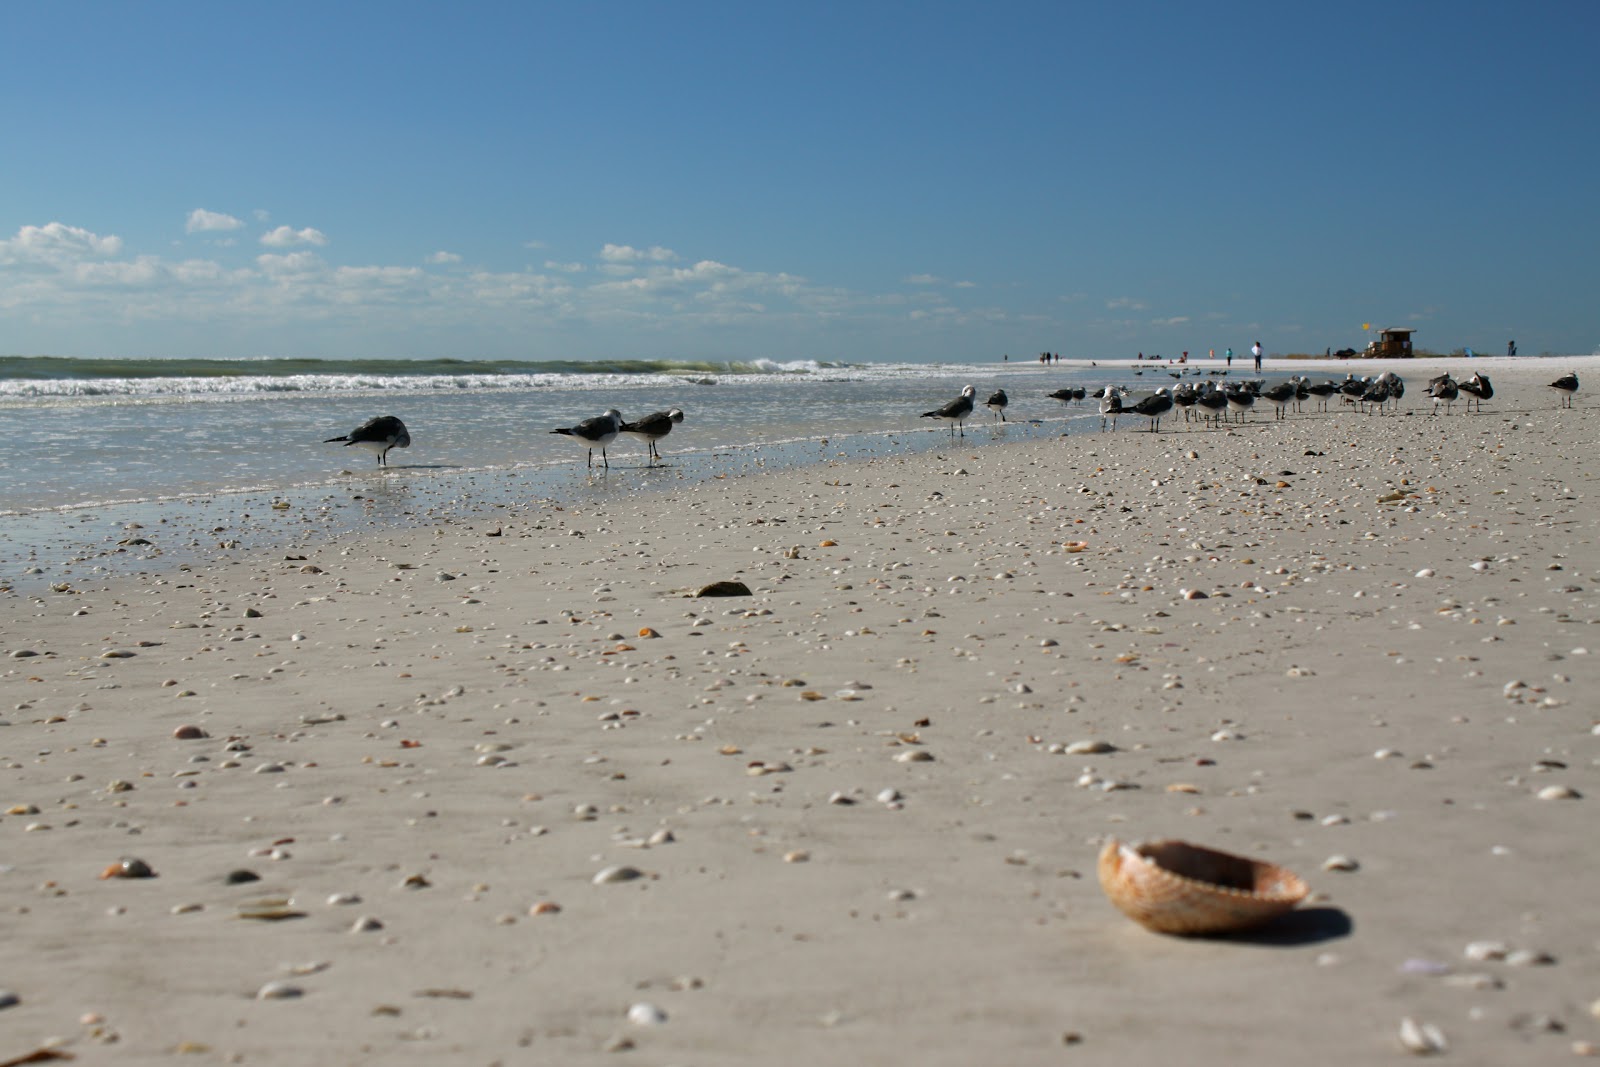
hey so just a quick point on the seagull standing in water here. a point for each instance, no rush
(997, 403)
(596, 433)
(1110, 407)
(377, 435)
(653, 428)
(1566, 385)
(955, 412)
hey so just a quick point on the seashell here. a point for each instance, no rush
(1422, 1039)
(130, 867)
(1173, 887)
(613, 875)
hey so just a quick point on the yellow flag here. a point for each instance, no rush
(1366, 325)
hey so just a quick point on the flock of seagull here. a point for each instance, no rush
(384, 432)
(1232, 401)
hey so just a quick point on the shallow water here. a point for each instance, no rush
(83, 465)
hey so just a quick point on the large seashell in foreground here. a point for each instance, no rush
(1173, 887)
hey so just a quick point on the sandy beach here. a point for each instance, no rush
(507, 792)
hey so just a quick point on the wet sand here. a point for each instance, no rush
(505, 782)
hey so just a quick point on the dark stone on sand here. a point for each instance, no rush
(725, 589)
(240, 877)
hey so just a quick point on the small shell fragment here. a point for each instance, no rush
(1421, 1039)
(279, 991)
(646, 1014)
(129, 867)
(1486, 950)
(614, 875)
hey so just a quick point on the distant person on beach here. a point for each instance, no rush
(1230, 357)
(1511, 348)
(1255, 350)
(1211, 354)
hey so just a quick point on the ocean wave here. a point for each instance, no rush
(24, 378)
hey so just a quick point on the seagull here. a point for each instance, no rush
(1396, 386)
(1213, 401)
(653, 428)
(1322, 391)
(596, 433)
(1444, 391)
(1068, 395)
(997, 403)
(1477, 388)
(1110, 406)
(1280, 395)
(1240, 401)
(1185, 396)
(1566, 385)
(1376, 393)
(955, 412)
(1153, 407)
(378, 434)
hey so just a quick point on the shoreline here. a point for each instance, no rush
(451, 730)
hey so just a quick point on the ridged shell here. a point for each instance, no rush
(1173, 887)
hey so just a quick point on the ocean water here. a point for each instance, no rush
(94, 448)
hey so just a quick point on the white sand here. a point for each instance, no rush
(959, 923)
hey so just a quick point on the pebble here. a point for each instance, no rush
(189, 732)
(613, 875)
(1340, 863)
(1559, 792)
(646, 1014)
(365, 925)
(8, 999)
(1090, 748)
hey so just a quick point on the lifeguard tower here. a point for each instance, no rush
(1391, 344)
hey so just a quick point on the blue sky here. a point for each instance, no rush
(850, 181)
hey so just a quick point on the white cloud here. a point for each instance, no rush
(55, 242)
(1176, 320)
(285, 237)
(293, 263)
(203, 221)
(64, 273)
(1126, 303)
(628, 254)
